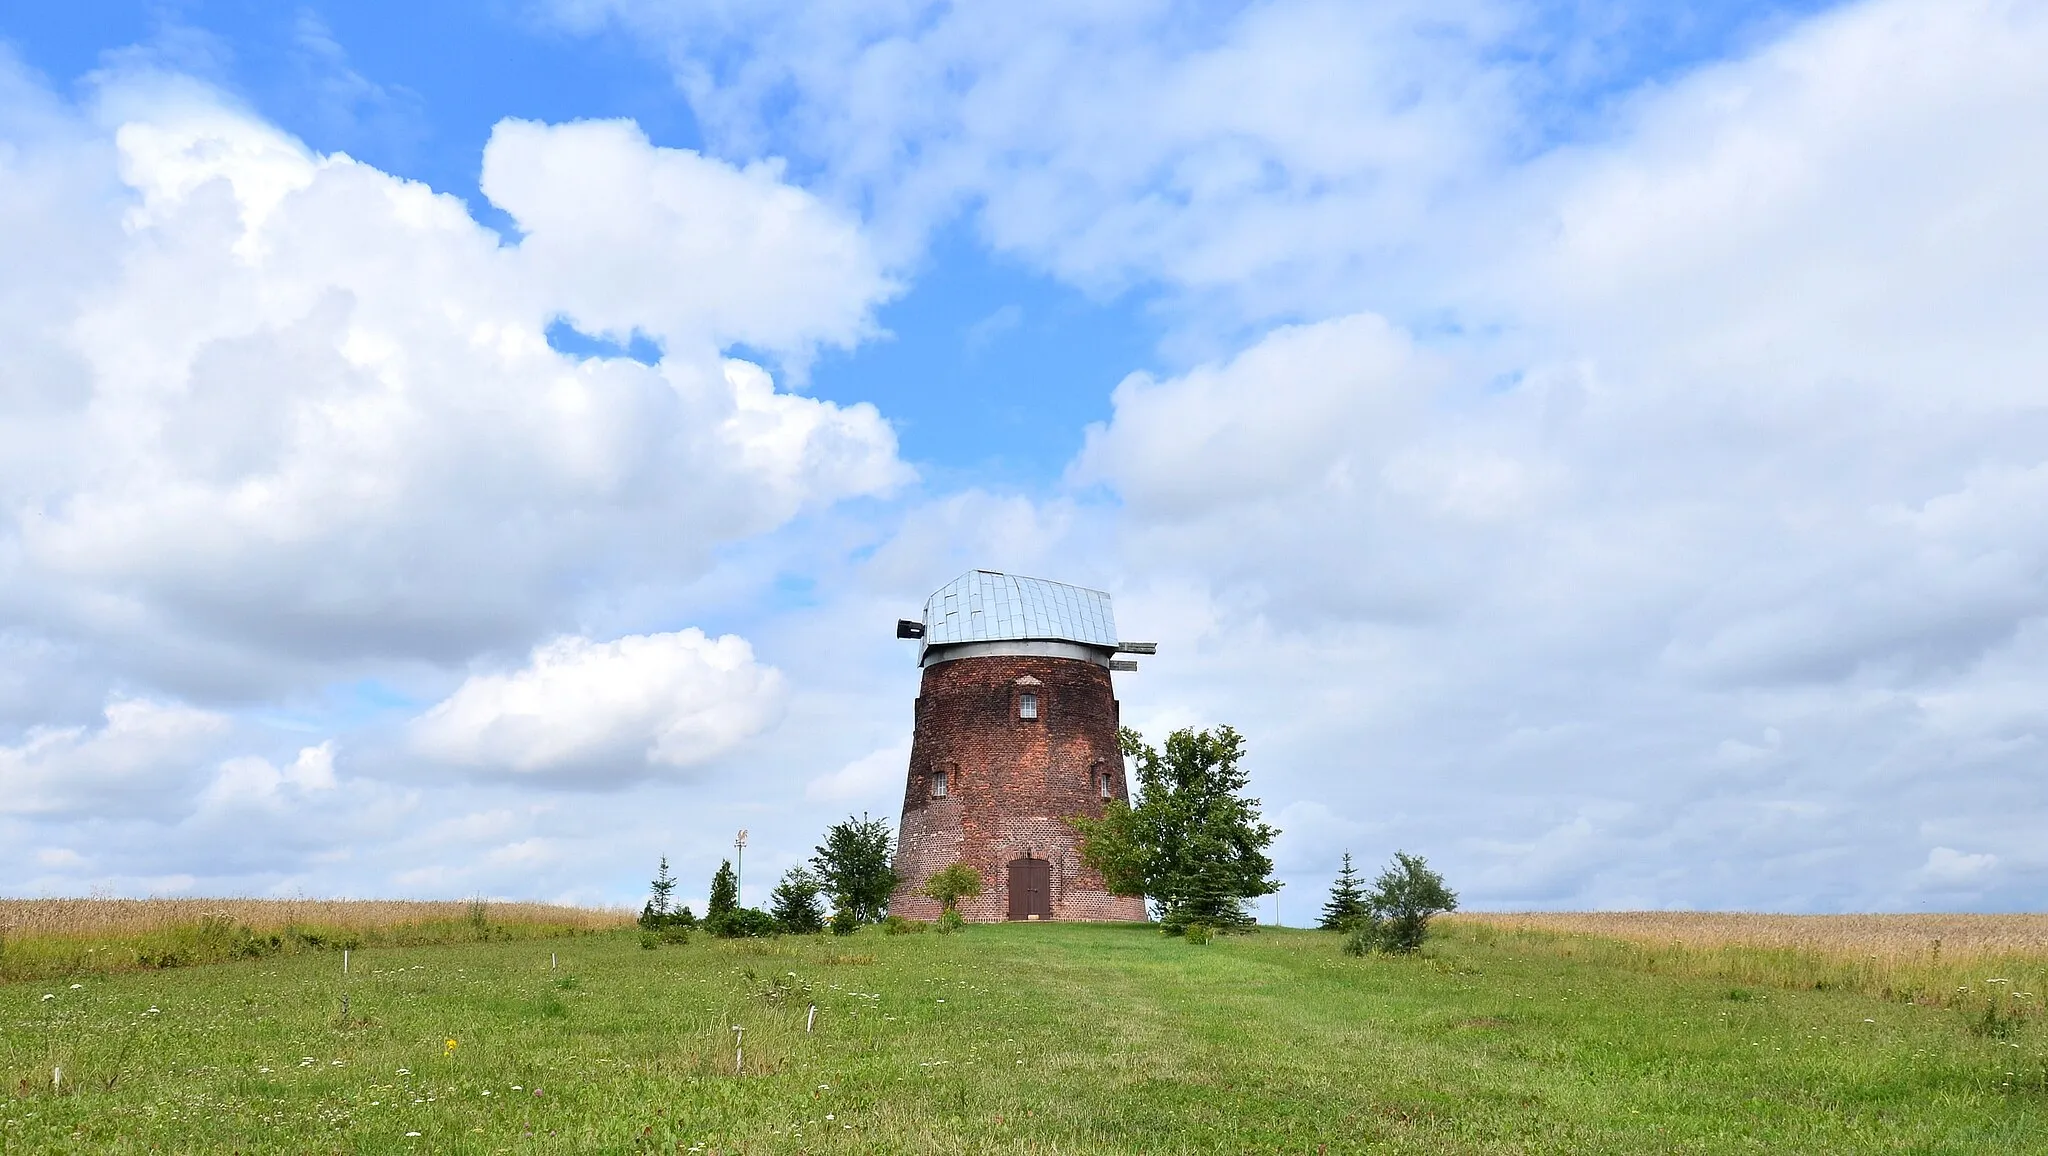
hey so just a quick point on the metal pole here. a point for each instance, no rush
(739, 867)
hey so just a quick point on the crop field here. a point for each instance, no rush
(69, 937)
(1962, 961)
(1016, 1038)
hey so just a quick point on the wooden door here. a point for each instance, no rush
(1030, 889)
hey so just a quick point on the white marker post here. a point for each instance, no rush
(810, 1019)
(344, 961)
(551, 961)
(739, 1053)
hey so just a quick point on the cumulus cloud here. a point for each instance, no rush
(606, 712)
(311, 417)
(872, 777)
(1948, 867)
(141, 754)
(1262, 155)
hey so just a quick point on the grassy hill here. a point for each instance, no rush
(1017, 1038)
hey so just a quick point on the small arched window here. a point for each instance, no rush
(1102, 777)
(938, 784)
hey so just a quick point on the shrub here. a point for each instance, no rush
(649, 940)
(950, 885)
(897, 925)
(950, 921)
(742, 923)
(844, 922)
(674, 935)
(1197, 932)
(1405, 897)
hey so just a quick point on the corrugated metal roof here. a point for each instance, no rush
(986, 606)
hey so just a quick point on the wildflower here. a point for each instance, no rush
(449, 1047)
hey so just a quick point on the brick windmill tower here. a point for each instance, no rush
(1016, 730)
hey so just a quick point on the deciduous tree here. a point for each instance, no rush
(853, 864)
(1193, 843)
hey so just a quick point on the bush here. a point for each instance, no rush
(674, 935)
(952, 884)
(844, 922)
(950, 921)
(649, 940)
(1197, 932)
(1405, 897)
(742, 923)
(897, 925)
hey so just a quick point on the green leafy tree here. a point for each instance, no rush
(794, 903)
(952, 884)
(1194, 843)
(725, 892)
(1347, 905)
(853, 864)
(1405, 897)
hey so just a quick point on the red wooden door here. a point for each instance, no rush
(1030, 888)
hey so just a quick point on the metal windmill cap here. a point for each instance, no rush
(990, 606)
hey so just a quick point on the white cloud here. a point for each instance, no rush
(252, 780)
(141, 755)
(873, 777)
(309, 417)
(1948, 867)
(1263, 155)
(605, 712)
(679, 246)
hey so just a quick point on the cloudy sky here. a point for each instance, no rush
(1601, 445)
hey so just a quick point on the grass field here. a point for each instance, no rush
(1016, 1038)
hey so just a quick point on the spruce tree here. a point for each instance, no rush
(794, 903)
(1347, 905)
(725, 891)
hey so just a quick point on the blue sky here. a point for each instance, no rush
(1593, 444)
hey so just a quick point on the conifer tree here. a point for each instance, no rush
(725, 891)
(1347, 905)
(794, 903)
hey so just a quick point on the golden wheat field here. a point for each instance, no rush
(1937, 959)
(50, 937)
(94, 918)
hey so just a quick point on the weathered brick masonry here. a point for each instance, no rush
(1010, 782)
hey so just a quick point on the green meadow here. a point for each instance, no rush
(1013, 1038)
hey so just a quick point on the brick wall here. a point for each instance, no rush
(1011, 782)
